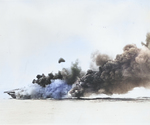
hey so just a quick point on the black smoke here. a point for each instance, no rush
(111, 76)
(70, 75)
(128, 70)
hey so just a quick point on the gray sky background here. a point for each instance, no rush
(34, 34)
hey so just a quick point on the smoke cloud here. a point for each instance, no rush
(58, 89)
(113, 76)
(128, 70)
(100, 59)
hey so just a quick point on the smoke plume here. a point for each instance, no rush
(71, 74)
(128, 70)
(100, 59)
(51, 86)
(113, 76)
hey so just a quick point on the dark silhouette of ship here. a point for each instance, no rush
(12, 93)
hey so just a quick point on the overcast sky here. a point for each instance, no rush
(34, 34)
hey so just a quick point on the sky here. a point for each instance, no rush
(34, 34)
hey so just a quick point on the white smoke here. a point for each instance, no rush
(58, 89)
